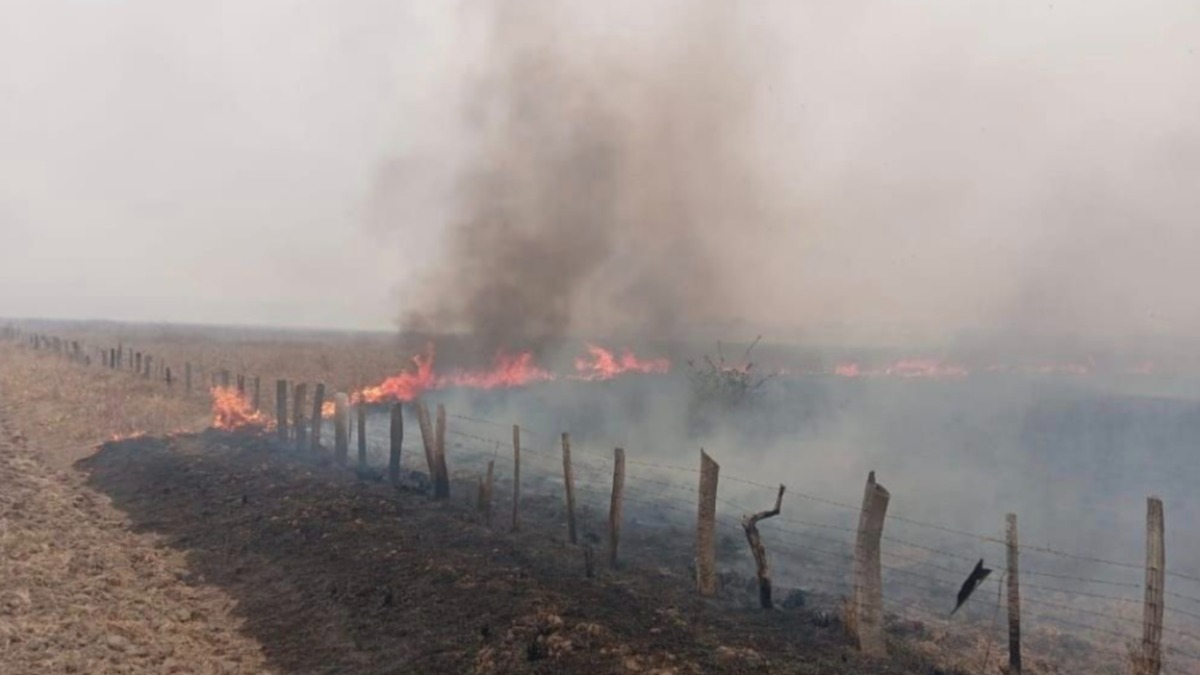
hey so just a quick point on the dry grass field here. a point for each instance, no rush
(135, 540)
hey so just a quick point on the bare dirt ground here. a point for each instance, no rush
(211, 553)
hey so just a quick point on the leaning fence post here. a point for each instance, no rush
(706, 527)
(397, 440)
(299, 424)
(341, 414)
(617, 507)
(427, 439)
(441, 486)
(361, 409)
(314, 441)
(868, 571)
(1014, 599)
(569, 482)
(281, 420)
(516, 477)
(1152, 619)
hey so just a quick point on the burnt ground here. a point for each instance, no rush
(336, 574)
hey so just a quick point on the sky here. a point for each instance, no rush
(891, 172)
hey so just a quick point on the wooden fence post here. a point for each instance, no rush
(341, 415)
(149, 360)
(427, 439)
(361, 409)
(168, 378)
(706, 527)
(314, 441)
(257, 394)
(569, 483)
(1152, 619)
(868, 571)
(281, 420)
(485, 495)
(516, 512)
(299, 423)
(617, 507)
(137, 368)
(441, 486)
(750, 525)
(397, 440)
(1014, 598)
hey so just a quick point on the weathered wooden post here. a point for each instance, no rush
(484, 505)
(750, 525)
(149, 360)
(361, 409)
(168, 378)
(569, 483)
(1014, 598)
(281, 395)
(706, 527)
(617, 506)
(341, 415)
(299, 423)
(441, 486)
(257, 391)
(426, 427)
(397, 440)
(1152, 618)
(868, 570)
(516, 505)
(137, 368)
(318, 407)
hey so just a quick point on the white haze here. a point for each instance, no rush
(922, 170)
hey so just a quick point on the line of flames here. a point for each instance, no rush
(231, 411)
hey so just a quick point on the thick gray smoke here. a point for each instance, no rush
(602, 184)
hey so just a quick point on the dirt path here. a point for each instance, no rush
(79, 592)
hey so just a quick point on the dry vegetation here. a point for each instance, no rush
(82, 592)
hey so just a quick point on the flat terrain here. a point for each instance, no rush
(204, 552)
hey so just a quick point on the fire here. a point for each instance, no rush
(905, 368)
(507, 371)
(231, 411)
(601, 364)
(403, 387)
(117, 438)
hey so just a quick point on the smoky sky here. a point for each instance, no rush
(863, 172)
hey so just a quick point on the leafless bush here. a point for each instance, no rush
(718, 388)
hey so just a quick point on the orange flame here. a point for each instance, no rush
(403, 387)
(905, 368)
(231, 411)
(507, 371)
(601, 364)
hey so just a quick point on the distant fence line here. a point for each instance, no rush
(588, 482)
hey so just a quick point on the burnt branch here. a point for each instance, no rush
(750, 525)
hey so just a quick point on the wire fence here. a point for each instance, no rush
(812, 547)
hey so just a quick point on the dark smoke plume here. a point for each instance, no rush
(600, 187)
